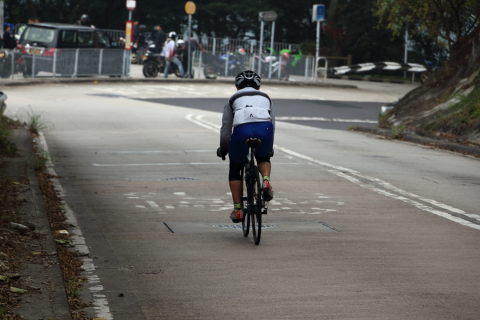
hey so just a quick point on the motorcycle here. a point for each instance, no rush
(153, 63)
(217, 65)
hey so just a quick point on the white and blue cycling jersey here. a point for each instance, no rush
(248, 114)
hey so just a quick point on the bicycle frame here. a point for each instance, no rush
(255, 205)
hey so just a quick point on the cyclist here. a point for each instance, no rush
(249, 113)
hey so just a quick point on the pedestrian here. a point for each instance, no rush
(169, 52)
(85, 21)
(21, 29)
(284, 64)
(8, 40)
(159, 37)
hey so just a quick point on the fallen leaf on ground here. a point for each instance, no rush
(17, 290)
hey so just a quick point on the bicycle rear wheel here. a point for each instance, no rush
(256, 214)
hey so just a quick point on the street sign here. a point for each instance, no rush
(318, 12)
(131, 4)
(190, 7)
(267, 16)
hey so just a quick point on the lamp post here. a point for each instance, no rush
(190, 9)
(266, 16)
(131, 4)
(318, 15)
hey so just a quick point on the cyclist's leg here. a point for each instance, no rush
(237, 154)
(265, 168)
(265, 132)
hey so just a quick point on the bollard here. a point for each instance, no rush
(12, 69)
(33, 66)
(54, 67)
(75, 66)
(100, 62)
(226, 65)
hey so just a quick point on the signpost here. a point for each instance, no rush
(1, 19)
(266, 16)
(318, 15)
(131, 4)
(190, 9)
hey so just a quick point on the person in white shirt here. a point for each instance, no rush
(170, 55)
(248, 114)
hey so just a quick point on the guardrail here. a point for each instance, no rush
(46, 62)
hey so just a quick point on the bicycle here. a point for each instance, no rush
(253, 204)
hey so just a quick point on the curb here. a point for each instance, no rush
(50, 300)
(92, 292)
(426, 141)
(28, 82)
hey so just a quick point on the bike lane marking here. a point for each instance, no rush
(374, 184)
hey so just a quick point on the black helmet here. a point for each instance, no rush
(247, 78)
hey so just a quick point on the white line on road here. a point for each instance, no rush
(377, 185)
(153, 205)
(322, 119)
(159, 151)
(155, 164)
(173, 164)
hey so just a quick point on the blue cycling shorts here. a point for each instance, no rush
(238, 149)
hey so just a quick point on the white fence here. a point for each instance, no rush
(45, 62)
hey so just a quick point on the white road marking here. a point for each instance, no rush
(385, 188)
(153, 205)
(173, 164)
(322, 119)
(159, 151)
(156, 164)
(140, 206)
(180, 193)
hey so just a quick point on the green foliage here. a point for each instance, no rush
(461, 118)
(6, 146)
(398, 131)
(35, 123)
(383, 121)
(450, 20)
(40, 161)
(351, 27)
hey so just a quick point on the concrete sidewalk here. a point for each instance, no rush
(40, 271)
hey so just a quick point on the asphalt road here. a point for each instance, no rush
(360, 228)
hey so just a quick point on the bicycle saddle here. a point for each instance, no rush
(253, 142)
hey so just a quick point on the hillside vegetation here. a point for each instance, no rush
(448, 104)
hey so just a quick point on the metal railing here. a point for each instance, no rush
(269, 67)
(224, 45)
(44, 62)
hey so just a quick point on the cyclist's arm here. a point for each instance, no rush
(226, 130)
(272, 116)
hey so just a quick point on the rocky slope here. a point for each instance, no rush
(448, 104)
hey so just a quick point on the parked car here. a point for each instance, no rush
(39, 43)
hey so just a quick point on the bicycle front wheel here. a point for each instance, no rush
(246, 223)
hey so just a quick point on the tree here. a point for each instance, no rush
(450, 20)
